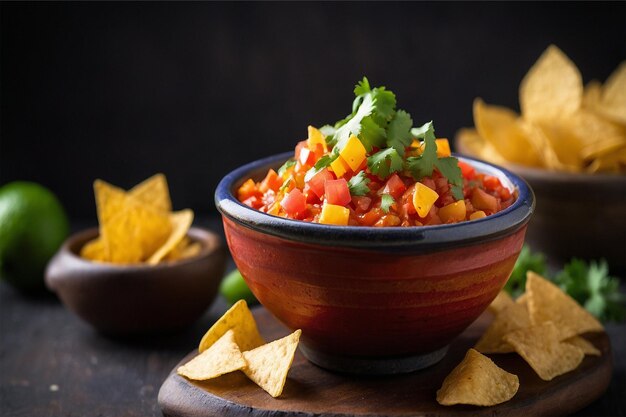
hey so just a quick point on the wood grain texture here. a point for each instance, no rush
(312, 391)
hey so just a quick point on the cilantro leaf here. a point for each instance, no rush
(398, 131)
(385, 162)
(420, 132)
(526, 261)
(362, 87)
(423, 165)
(449, 168)
(327, 130)
(321, 163)
(384, 102)
(372, 134)
(358, 184)
(386, 202)
(288, 164)
(353, 126)
(592, 287)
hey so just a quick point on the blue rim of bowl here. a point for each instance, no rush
(386, 239)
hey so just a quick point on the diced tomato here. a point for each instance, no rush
(394, 186)
(319, 180)
(294, 203)
(504, 192)
(482, 200)
(361, 203)
(467, 170)
(371, 217)
(307, 158)
(311, 197)
(491, 183)
(247, 190)
(271, 182)
(337, 192)
(254, 202)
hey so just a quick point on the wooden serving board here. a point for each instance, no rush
(313, 391)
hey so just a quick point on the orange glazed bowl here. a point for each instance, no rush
(374, 300)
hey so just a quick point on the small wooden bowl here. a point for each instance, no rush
(137, 299)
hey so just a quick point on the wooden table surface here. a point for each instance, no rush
(52, 364)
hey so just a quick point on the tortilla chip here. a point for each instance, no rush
(268, 365)
(614, 95)
(135, 233)
(477, 381)
(510, 318)
(503, 299)
(499, 126)
(552, 87)
(547, 302)
(222, 357)
(95, 250)
(110, 201)
(240, 320)
(153, 192)
(540, 347)
(583, 344)
(180, 224)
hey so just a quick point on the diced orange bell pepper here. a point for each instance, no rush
(316, 137)
(339, 167)
(477, 215)
(423, 199)
(354, 153)
(453, 212)
(443, 148)
(333, 214)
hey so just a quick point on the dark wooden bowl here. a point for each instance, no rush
(137, 299)
(373, 300)
(577, 215)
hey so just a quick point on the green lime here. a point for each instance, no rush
(234, 288)
(33, 225)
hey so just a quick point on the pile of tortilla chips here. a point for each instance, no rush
(563, 126)
(543, 326)
(233, 343)
(138, 226)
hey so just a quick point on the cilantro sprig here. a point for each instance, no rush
(358, 184)
(387, 132)
(386, 202)
(423, 165)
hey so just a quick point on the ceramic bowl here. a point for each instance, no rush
(373, 300)
(577, 215)
(137, 299)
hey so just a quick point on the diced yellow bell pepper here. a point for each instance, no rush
(477, 215)
(354, 153)
(443, 148)
(423, 199)
(315, 137)
(453, 212)
(334, 214)
(274, 209)
(339, 167)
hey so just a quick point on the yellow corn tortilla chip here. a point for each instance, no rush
(547, 302)
(543, 147)
(510, 318)
(613, 98)
(522, 300)
(95, 250)
(469, 142)
(153, 192)
(540, 347)
(268, 365)
(477, 381)
(592, 95)
(183, 250)
(503, 299)
(552, 87)
(221, 358)
(180, 224)
(499, 127)
(110, 201)
(583, 344)
(240, 320)
(135, 233)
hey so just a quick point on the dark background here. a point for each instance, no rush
(120, 91)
